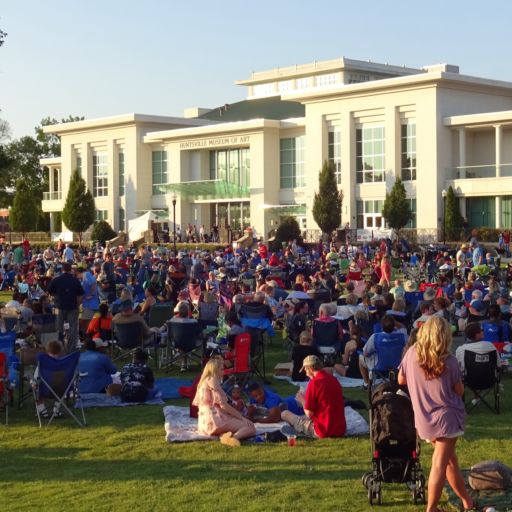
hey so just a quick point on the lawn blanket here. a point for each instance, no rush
(500, 500)
(180, 427)
(169, 386)
(103, 400)
(346, 382)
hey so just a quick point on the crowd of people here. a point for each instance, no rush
(359, 294)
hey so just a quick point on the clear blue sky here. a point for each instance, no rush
(105, 57)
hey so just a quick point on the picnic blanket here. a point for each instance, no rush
(169, 386)
(346, 382)
(180, 427)
(104, 400)
(500, 500)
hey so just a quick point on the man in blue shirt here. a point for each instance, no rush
(266, 406)
(95, 368)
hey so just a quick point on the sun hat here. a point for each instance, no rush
(310, 361)
(410, 286)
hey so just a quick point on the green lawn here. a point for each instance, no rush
(121, 462)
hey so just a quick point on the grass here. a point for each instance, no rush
(121, 462)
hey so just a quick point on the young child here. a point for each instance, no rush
(237, 401)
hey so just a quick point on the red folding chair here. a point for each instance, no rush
(241, 370)
(5, 393)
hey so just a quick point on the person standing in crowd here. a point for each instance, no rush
(68, 294)
(435, 385)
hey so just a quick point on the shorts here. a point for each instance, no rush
(448, 436)
(301, 424)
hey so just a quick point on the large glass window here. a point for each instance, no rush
(292, 162)
(235, 214)
(99, 175)
(79, 164)
(334, 153)
(369, 214)
(232, 165)
(100, 215)
(408, 149)
(412, 205)
(159, 171)
(370, 164)
(121, 174)
(122, 218)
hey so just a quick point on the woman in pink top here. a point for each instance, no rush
(385, 267)
(216, 416)
(433, 377)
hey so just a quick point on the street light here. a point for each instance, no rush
(10, 229)
(443, 193)
(174, 197)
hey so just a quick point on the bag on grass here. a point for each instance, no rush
(490, 475)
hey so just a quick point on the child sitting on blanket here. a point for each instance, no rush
(237, 401)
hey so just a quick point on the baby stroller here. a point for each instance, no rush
(395, 447)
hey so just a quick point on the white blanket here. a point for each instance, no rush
(180, 427)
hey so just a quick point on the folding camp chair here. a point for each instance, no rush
(326, 340)
(159, 314)
(58, 379)
(44, 323)
(481, 377)
(241, 370)
(4, 387)
(28, 363)
(128, 337)
(388, 348)
(258, 366)
(184, 342)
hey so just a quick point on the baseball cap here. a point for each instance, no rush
(310, 361)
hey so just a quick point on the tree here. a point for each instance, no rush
(78, 212)
(452, 216)
(3, 35)
(397, 210)
(23, 215)
(328, 200)
(288, 230)
(49, 143)
(102, 231)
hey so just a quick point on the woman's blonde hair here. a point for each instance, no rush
(433, 346)
(211, 369)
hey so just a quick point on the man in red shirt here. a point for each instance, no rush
(323, 403)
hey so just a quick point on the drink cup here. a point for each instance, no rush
(292, 440)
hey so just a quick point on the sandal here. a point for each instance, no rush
(43, 413)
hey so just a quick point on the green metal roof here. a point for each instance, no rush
(261, 108)
(288, 209)
(207, 189)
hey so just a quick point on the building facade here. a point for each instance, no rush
(251, 162)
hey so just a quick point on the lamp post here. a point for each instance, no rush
(10, 229)
(174, 221)
(443, 193)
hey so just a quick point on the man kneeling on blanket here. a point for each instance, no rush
(266, 406)
(323, 403)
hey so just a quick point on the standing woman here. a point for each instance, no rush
(385, 276)
(216, 416)
(433, 377)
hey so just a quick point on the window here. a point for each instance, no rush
(370, 154)
(369, 214)
(159, 171)
(327, 80)
(292, 162)
(285, 86)
(302, 83)
(408, 149)
(356, 78)
(412, 205)
(99, 175)
(232, 165)
(79, 164)
(121, 219)
(121, 174)
(101, 215)
(334, 151)
(263, 89)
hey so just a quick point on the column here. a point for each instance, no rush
(498, 212)
(462, 152)
(50, 182)
(499, 139)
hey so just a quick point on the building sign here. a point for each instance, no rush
(234, 140)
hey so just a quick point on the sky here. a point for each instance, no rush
(98, 58)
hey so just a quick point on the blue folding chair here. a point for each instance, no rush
(389, 348)
(58, 379)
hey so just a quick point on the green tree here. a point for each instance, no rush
(102, 231)
(24, 213)
(396, 209)
(288, 230)
(328, 200)
(49, 143)
(78, 212)
(452, 216)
